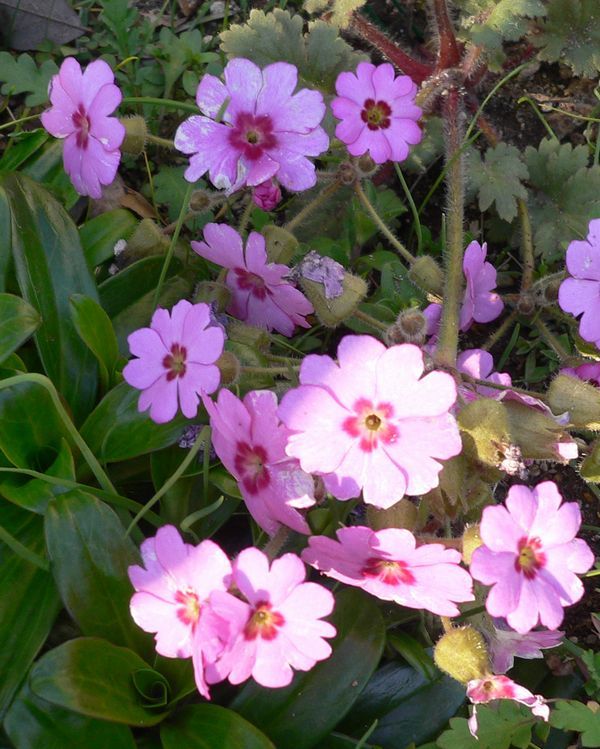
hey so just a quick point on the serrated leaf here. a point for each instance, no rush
(571, 715)
(499, 728)
(320, 55)
(498, 177)
(21, 75)
(179, 53)
(30, 22)
(571, 34)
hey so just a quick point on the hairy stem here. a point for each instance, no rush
(382, 226)
(315, 203)
(158, 141)
(372, 321)
(448, 50)
(526, 246)
(499, 332)
(551, 340)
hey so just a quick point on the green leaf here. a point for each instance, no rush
(116, 430)
(96, 330)
(320, 55)
(177, 53)
(99, 235)
(20, 75)
(23, 146)
(509, 725)
(497, 178)
(570, 715)
(18, 320)
(95, 678)
(211, 727)
(33, 723)
(170, 189)
(571, 34)
(28, 602)
(302, 714)
(89, 555)
(152, 687)
(50, 267)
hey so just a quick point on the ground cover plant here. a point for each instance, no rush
(299, 374)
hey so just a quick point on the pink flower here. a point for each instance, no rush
(580, 295)
(263, 128)
(372, 422)
(388, 565)
(176, 363)
(491, 687)
(480, 303)
(172, 589)
(81, 105)
(277, 627)
(250, 441)
(266, 195)
(590, 372)
(479, 364)
(260, 295)
(504, 645)
(530, 557)
(377, 112)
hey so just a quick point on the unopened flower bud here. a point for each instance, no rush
(282, 245)
(229, 367)
(200, 201)
(401, 515)
(471, 540)
(484, 428)
(367, 166)
(266, 195)
(538, 434)
(147, 239)
(213, 291)
(462, 654)
(427, 274)
(526, 304)
(412, 326)
(578, 398)
(256, 338)
(135, 135)
(346, 173)
(332, 312)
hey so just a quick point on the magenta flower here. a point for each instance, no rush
(480, 303)
(81, 105)
(388, 565)
(277, 626)
(530, 557)
(377, 112)
(589, 372)
(176, 363)
(580, 295)
(260, 295)
(172, 589)
(479, 364)
(250, 441)
(372, 422)
(504, 645)
(491, 687)
(263, 128)
(266, 195)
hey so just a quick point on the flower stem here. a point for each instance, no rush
(164, 142)
(13, 123)
(269, 370)
(448, 51)
(372, 321)
(316, 202)
(499, 332)
(245, 215)
(381, 225)
(276, 543)
(413, 207)
(526, 245)
(169, 103)
(551, 340)
(23, 551)
(513, 388)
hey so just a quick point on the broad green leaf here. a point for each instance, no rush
(95, 678)
(211, 727)
(571, 34)
(116, 430)
(5, 253)
(28, 601)
(96, 330)
(299, 716)
(24, 146)
(170, 189)
(507, 726)
(33, 723)
(20, 75)
(50, 267)
(18, 320)
(99, 235)
(89, 555)
(570, 715)
(339, 741)
(498, 179)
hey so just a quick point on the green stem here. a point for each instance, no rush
(88, 455)
(23, 551)
(169, 103)
(13, 123)
(540, 116)
(201, 439)
(276, 543)
(382, 226)
(526, 245)
(171, 250)
(413, 208)
(245, 215)
(453, 258)
(317, 201)
(513, 388)
(268, 370)
(164, 142)
(551, 340)
(372, 321)
(499, 332)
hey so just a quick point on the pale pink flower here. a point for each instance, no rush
(372, 421)
(172, 591)
(480, 303)
(580, 295)
(81, 105)
(260, 295)
(277, 626)
(263, 129)
(479, 364)
(530, 557)
(176, 363)
(491, 687)
(377, 112)
(504, 645)
(388, 564)
(589, 372)
(266, 195)
(250, 440)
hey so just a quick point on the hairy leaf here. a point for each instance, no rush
(571, 34)
(21, 75)
(497, 177)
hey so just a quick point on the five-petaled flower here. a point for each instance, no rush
(531, 558)
(480, 302)
(81, 105)
(260, 293)
(253, 128)
(176, 363)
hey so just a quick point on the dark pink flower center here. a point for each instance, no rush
(263, 622)
(388, 571)
(82, 123)
(531, 557)
(189, 611)
(252, 135)
(174, 362)
(371, 423)
(376, 114)
(250, 465)
(251, 282)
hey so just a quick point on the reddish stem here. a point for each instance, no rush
(417, 70)
(449, 51)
